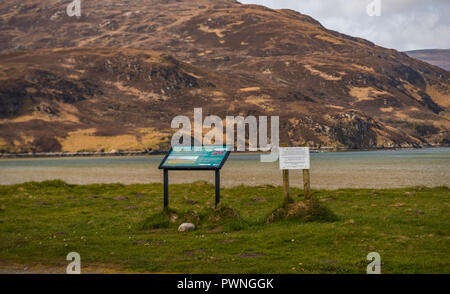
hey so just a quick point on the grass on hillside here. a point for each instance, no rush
(43, 222)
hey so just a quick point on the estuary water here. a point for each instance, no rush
(329, 170)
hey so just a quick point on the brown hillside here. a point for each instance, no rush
(438, 57)
(116, 76)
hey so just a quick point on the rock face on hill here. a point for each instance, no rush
(115, 77)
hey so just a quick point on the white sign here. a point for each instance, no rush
(294, 158)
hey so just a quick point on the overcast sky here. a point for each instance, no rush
(402, 25)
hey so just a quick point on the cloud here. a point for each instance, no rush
(403, 24)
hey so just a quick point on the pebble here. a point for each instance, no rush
(186, 227)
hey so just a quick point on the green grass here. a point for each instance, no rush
(43, 222)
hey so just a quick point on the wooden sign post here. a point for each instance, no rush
(306, 180)
(306, 184)
(296, 158)
(287, 194)
(286, 187)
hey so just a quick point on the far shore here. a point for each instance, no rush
(164, 152)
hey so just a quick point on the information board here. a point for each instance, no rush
(294, 158)
(193, 157)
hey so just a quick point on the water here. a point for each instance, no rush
(359, 169)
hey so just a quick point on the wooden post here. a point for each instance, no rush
(166, 189)
(287, 194)
(217, 187)
(306, 181)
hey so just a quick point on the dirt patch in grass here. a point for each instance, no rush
(251, 255)
(194, 252)
(38, 268)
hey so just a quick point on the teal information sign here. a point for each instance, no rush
(196, 157)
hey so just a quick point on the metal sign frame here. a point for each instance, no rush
(216, 169)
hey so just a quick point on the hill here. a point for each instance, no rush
(116, 76)
(438, 57)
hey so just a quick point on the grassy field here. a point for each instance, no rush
(123, 226)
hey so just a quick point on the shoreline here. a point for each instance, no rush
(164, 152)
(295, 189)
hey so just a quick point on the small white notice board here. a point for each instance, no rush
(294, 158)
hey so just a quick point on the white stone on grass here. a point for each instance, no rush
(186, 227)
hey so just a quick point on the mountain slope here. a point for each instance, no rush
(438, 57)
(230, 59)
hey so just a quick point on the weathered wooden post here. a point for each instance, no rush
(306, 180)
(306, 183)
(287, 194)
(166, 189)
(217, 181)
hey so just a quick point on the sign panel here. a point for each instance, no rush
(193, 157)
(294, 158)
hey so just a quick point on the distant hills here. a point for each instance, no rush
(438, 57)
(114, 78)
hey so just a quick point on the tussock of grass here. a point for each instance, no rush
(47, 184)
(222, 213)
(304, 211)
(170, 218)
(160, 220)
(224, 216)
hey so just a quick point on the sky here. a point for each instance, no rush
(401, 24)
